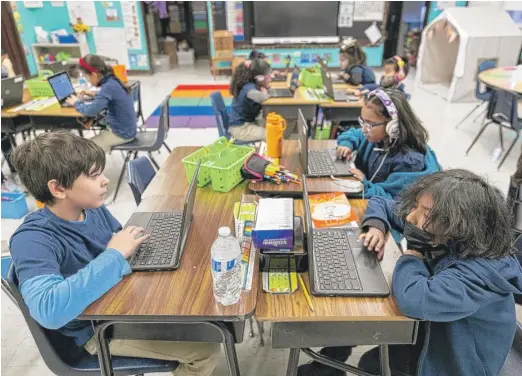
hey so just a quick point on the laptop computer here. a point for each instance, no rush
(169, 232)
(339, 265)
(286, 92)
(12, 91)
(339, 95)
(62, 87)
(284, 76)
(324, 65)
(318, 163)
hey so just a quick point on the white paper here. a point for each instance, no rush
(373, 33)
(84, 10)
(110, 42)
(57, 4)
(345, 14)
(131, 25)
(33, 4)
(368, 11)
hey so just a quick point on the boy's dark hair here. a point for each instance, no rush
(98, 62)
(246, 72)
(412, 134)
(470, 214)
(59, 155)
(393, 61)
(255, 54)
(354, 52)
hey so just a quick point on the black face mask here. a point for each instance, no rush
(421, 241)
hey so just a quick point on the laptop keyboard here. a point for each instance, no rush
(279, 92)
(333, 260)
(161, 247)
(320, 163)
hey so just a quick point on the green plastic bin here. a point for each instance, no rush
(191, 161)
(225, 167)
(39, 86)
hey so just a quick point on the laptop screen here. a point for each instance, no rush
(327, 83)
(61, 85)
(189, 203)
(302, 128)
(308, 222)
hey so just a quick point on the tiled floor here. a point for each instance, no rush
(19, 353)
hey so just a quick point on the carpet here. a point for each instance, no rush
(190, 107)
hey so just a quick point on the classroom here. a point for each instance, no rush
(261, 188)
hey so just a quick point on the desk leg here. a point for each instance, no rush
(293, 362)
(230, 349)
(104, 354)
(385, 360)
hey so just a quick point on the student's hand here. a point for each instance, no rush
(358, 174)
(88, 93)
(356, 92)
(128, 240)
(417, 254)
(264, 90)
(72, 100)
(343, 152)
(345, 76)
(374, 240)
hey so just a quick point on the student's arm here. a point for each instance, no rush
(93, 108)
(451, 295)
(369, 87)
(257, 95)
(381, 213)
(352, 138)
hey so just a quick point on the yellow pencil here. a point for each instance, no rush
(305, 292)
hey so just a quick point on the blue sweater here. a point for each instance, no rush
(468, 305)
(63, 267)
(244, 109)
(360, 74)
(120, 108)
(397, 172)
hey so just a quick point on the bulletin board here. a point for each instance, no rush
(118, 29)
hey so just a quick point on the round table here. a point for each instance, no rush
(500, 78)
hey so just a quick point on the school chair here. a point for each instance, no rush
(503, 112)
(65, 358)
(135, 91)
(140, 172)
(483, 96)
(147, 141)
(220, 112)
(513, 363)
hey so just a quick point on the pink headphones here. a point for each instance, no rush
(401, 75)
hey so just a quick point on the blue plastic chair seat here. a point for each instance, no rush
(126, 365)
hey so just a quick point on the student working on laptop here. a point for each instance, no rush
(249, 87)
(113, 96)
(71, 252)
(391, 145)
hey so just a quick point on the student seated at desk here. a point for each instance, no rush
(71, 252)
(255, 54)
(391, 145)
(395, 72)
(249, 88)
(353, 64)
(458, 275)
(113, 96)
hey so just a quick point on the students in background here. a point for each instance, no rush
(395, 72)
(71, 252)
(7, 66)
(249, 88)
(255, 54)
(354, 70)
(114, 96)
(391, 145)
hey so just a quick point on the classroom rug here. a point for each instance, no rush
(190, 107)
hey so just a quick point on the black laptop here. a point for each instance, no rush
(62, 87)
(286, 92)
(318, 163)
(339, 95)
(284, 76)
(169, 231)
(338, 265)
(324, 66)
(12, 91)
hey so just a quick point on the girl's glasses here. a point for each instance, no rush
(364, 124)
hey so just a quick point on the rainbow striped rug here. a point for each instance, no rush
(190, 107)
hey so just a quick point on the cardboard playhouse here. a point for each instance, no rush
(456, 42)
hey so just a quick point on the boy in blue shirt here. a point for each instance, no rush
(71, 252)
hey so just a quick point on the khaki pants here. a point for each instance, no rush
(106, 140)
(249, 131)
(196, 359)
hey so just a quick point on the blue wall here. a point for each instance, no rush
(435, 10)
(53, 18)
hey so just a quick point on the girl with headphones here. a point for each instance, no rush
(391, 145)
(249, 88)
(395, 72)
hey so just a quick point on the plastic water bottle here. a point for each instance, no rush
(226, 268)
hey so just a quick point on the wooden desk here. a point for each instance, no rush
(501, 79)
(53, 110)
(336, 321)
(290, 159)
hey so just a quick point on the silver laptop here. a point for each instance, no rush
(12, 91)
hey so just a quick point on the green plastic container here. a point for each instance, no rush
(225, 167)
(191, 161)
(311, 77)
(39, 86)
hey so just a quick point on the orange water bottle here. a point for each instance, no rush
(275, 126)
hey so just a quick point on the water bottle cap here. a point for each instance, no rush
(224, 231)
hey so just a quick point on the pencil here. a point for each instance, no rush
(305, 292)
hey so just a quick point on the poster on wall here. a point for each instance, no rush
(345, 14)
(368, 11)
(84, 10)
(235, 19)
(109, 43)
(33, 4)
(131, 24)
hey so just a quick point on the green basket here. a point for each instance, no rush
(225, 167)
(311, 77)
(39, 86)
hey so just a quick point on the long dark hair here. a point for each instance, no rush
(246, 72)
(412, 134)
(393, 61)
(354, 52)
(471, 215)
(98, 63)
(255, 54)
